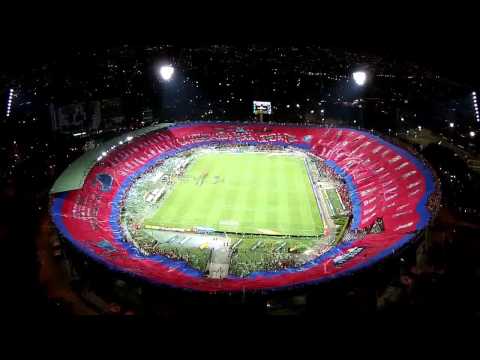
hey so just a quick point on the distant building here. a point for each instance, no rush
(147, 115)
(76, 117)
(87, 116)
(112, 113)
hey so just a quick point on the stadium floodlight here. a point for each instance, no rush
(472, 134)
(360, 77)
(166, 72)
(129, 138)
(104, 153)
(452, 124)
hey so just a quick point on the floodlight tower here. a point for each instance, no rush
(166, 72)
(163, 84)
(360, 79)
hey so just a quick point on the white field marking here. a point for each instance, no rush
(327, 200)
(268, 232)
(229, 222)
(340, 198)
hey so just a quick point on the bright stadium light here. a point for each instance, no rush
(472, 134)
(129, 138)
(452, 124)
(166, 72)
(360, 77)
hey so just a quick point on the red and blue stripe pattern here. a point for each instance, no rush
(383, 181)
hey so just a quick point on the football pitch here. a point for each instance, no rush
(258, 193)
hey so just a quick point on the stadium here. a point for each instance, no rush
(234, 207)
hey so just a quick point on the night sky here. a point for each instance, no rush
(456, 62)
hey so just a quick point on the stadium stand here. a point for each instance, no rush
(383, 181)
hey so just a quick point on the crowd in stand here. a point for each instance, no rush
(434, 201)
(246, 263)
(277, 263)
(338, 181)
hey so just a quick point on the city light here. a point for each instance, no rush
(472, 134)
(360, 77)
(166, 72)
(452, 124)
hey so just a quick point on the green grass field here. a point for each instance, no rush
(334, 200)
(248, 193)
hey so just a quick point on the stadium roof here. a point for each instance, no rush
(74, 175)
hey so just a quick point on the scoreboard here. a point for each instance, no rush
(262, 107)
